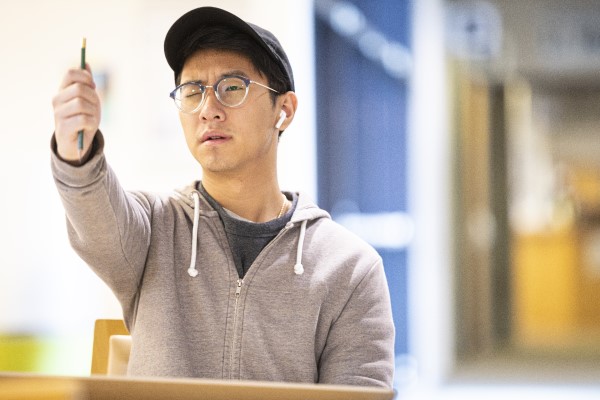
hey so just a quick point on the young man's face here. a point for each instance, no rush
(228, 140)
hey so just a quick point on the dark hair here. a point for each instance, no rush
(221, 38)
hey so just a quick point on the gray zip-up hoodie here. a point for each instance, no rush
(313, 307)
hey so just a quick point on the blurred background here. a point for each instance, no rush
(460, 138)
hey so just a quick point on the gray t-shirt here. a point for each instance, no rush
(246, 238)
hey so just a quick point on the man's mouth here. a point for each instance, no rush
(214, 138)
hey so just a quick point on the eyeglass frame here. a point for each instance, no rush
(214, 87)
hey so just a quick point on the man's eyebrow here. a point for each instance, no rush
(236, 72)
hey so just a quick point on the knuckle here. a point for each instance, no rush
(78, 102)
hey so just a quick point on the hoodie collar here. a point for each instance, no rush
(306, 209)
(194, 204)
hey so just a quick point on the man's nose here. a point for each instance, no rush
(212, 107)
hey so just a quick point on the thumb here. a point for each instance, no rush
(89, 69)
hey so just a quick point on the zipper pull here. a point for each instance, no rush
(239, 287)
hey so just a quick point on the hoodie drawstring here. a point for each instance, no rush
(192, 271)
(299, 268)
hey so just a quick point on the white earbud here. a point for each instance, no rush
(282, 117)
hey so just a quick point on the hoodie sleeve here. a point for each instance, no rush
(108, 227)
(360, 344)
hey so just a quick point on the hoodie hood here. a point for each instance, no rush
(195, 204)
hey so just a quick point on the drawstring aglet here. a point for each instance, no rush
(298, 269)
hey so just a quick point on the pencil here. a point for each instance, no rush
(80, 133)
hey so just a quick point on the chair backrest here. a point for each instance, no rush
(103, 330)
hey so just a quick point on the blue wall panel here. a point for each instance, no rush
(361, 126)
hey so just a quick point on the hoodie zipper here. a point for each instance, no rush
(238, 290)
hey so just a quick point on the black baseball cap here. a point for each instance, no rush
(197, 19)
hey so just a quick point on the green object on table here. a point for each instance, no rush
(20, 353)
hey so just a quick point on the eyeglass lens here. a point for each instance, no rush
(231, 92)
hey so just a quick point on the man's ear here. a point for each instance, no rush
(288, 105)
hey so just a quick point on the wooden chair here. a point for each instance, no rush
(112, 342)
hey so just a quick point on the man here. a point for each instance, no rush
(228, 278)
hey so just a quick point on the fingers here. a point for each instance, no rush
(74, 115)
(75, 99)
(77, 75)
(76, 108)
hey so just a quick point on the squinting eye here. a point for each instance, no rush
(190, 91)
(192, 94)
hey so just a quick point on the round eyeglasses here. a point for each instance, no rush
(231, 91)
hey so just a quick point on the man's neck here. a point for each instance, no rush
(257, 198)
